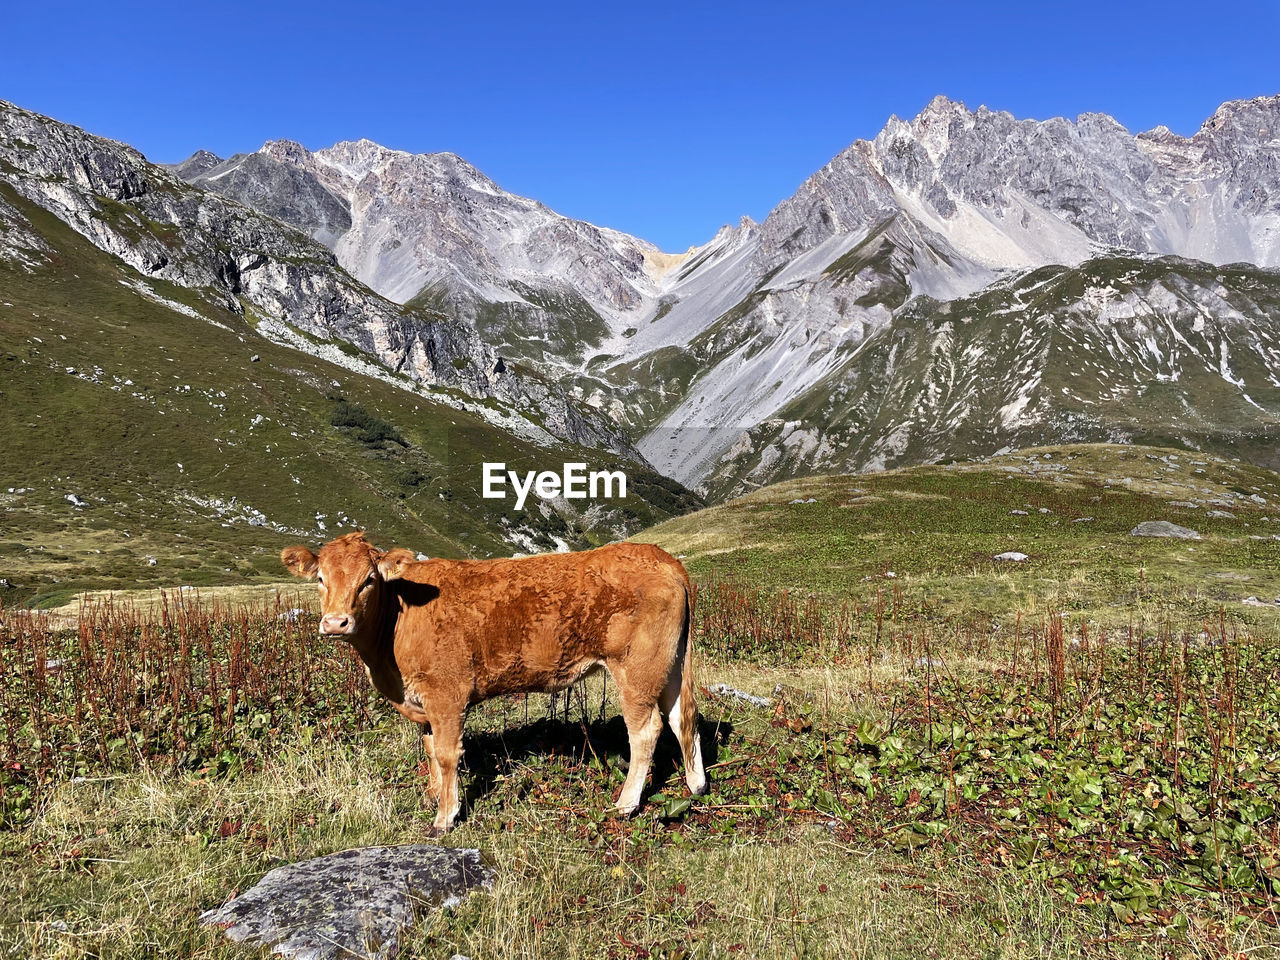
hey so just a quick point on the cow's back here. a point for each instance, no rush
(533, 623)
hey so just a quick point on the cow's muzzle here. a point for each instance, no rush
(337, 625)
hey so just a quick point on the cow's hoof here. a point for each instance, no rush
(626, 812)
(435, 830)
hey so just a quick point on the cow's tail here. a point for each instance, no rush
(691, 744)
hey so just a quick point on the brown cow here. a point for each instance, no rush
(440, 635)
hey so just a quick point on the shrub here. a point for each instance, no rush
(364, 426)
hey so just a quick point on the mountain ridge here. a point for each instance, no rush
(698, 353)
(290, 285)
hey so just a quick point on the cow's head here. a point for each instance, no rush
(351, 572)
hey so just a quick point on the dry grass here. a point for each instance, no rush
(148, 601)
(118, 855)
(122, 867)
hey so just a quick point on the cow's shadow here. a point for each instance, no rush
(489, 756)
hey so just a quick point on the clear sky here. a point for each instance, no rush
(664, 120)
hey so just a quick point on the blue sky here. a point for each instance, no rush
(664, 120)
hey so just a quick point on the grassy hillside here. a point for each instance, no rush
(1071, 757)
(930, 533)
(148, 407)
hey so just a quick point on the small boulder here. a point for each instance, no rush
(1018, 513)
(1163, 528)
(355, 902)
(1012, 556)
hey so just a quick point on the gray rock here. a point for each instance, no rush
(1012, 556)
(280, 190)
(1163, 528)
(724, 690)
(1018, 513)
(353, 902)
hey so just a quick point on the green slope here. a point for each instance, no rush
(930, 533)
(185, 450)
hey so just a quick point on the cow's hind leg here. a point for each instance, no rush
(644, 723)
(690, 742)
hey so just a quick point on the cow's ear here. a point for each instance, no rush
(300, 561)
(392, 564)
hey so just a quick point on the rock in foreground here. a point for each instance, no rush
(1163, 528)
(353, 902)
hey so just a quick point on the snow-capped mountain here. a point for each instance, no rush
(701, 350)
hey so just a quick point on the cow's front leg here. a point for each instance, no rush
(447, 747)
(433, 779)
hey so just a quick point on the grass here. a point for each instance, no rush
(556, 895)
(931, 533)
(944, 769)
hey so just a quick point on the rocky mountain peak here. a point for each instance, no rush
(1159, 134)
(285, 151)
(202, 161)
(942, 106)
(352, 160)
(1258, 117)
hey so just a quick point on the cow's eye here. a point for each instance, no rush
(320, 580)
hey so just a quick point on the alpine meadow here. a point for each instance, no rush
(965, 460)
